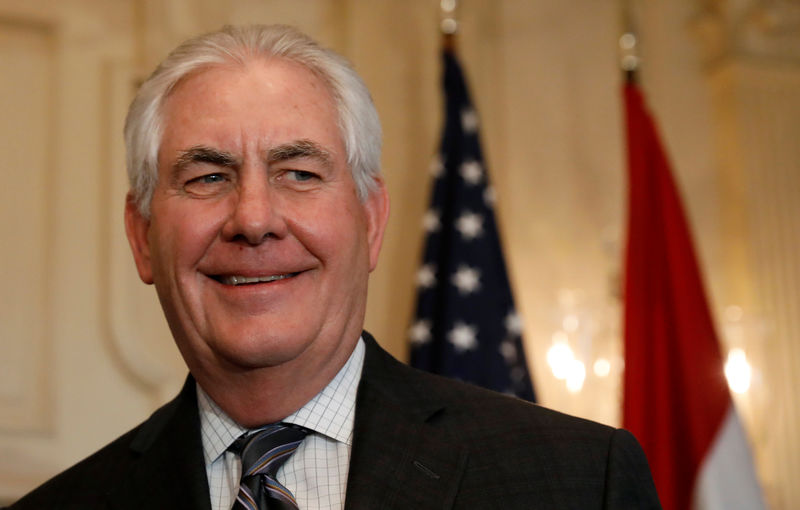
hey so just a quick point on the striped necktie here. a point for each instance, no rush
(263, 452)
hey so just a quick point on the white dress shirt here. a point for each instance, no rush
(317, 472)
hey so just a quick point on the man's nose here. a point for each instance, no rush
(256, 215)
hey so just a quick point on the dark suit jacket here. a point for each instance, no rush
(420, 441)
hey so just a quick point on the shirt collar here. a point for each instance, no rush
(217, 429)
(330, 413)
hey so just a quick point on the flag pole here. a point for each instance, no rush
(629, 44)
(448, 24)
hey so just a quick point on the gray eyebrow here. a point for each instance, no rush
(299, 149)
(203, 154)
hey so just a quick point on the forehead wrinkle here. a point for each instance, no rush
(299, 149)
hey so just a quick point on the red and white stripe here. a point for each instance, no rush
(726, 478)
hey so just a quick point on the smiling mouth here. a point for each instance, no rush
(250, 280)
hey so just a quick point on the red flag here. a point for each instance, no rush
(676, 400)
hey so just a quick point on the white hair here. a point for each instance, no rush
(358, 120)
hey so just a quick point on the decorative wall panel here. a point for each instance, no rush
(140, 338)
(26, 157)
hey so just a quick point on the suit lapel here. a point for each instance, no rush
(400, 459)
(169, 470)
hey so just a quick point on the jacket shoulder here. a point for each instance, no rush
(479, 411)
(83, 485)
(87, 484)
(515, 451)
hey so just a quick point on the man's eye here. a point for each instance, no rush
(206, 184)
(211, 178)
(300, 175)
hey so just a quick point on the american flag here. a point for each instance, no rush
(466, 326)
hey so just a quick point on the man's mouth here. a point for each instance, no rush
(250, 280)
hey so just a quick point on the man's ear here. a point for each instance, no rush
(137, 228)
(377, 208)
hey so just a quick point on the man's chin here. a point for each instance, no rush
(258, 352)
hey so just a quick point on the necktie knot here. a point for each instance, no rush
(263, 452)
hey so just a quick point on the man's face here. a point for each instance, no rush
(257, 243)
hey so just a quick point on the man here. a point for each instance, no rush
(257, 210)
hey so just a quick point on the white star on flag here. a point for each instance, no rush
(489, 196)
(509, 352)
(470, 225)
(513, 323)
(431, 221)
(420, 332)
(467, 279)
(463, 337)
(437, 167)
(471, 171)
(469, 120)
(426, 276)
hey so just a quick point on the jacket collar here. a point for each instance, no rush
(400, 458)
(169, 471)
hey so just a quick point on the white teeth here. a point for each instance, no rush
(241, 280)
